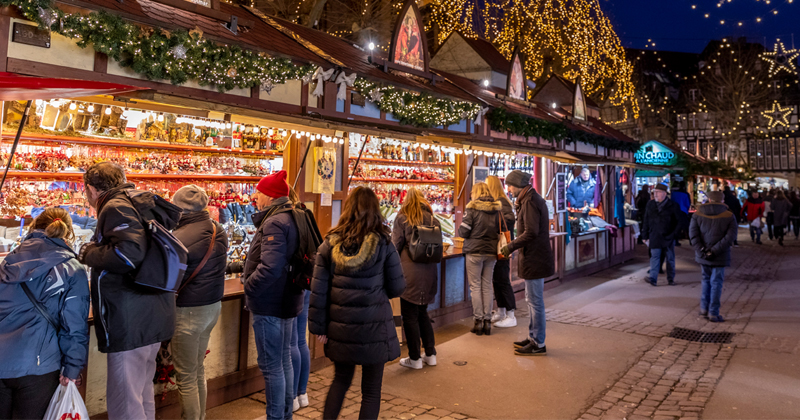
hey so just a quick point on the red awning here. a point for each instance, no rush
(14, 87)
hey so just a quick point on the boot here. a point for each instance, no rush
(478, 327)
(487, 327)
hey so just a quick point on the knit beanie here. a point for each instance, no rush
(191, 198)
(518, 179)
(274, 185)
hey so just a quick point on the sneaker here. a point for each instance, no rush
(523, 343)
(716, 318)
(672, 283)
(411, 364)
(487, 327)
(429, 360)
(704, 314)
(509, 322)
(647, 279)
(497, 317)
(303, 400)
(478, 327)
(531, 350)
(295, 405)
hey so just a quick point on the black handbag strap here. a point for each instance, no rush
(39, 307)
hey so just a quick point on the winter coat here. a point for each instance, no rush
(480, 226)
(421, 279)
(753, 208)
(795, 212)
(641, 203)
(535, 259)
(661, 226)
(713, 228)
(28, 343)
(266, 267)
(683, 200)
(349, 302)
(733, 204)
(127, 316)
(781, 209)
(580, 192)
(194, 231)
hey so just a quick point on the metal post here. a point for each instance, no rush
(302, 165)
(22, 122)
(358, 160)
(474, 158)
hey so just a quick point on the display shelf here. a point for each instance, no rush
(135, 176)
(30, 138)
(404, 181)
(402, 162)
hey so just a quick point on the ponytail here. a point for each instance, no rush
(56, 229)
(56, 224)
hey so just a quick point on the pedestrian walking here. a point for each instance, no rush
(781, 207)
(199, 300)
(735, 207)
(356, 273)
(535, 259)
(794, 214)
(130, 323)
(501, 277)
(421, 281)
(753, 211)
(273, 302)
(659, 230)
(712, 232)
(41, 349)
(770, 213)
(481, 229)
(684, 202)
(641, 201)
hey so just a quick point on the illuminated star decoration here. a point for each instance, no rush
(777, 115)
(781, 59)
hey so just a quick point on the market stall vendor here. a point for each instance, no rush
(581, 191)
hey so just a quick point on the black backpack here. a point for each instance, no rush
(425, 245)
(302, 262)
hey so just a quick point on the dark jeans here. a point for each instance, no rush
(795, 226)
(301, 355)
(778, 230)
(501, 281)
(27, 397)
(770, 224)
(371, 382)
(416, 325)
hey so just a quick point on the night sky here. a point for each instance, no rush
(674, 26)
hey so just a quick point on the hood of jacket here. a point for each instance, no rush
(187, 218)
(150, 206)
(714, 210)
(34, 257)
(349, 263)
(485, 204)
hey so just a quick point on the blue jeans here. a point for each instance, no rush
(534, 297)
(712, 289)
(274, 345)
(301, 355)
(655, 262)
(755, 232)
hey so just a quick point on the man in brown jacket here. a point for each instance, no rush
(535, 258)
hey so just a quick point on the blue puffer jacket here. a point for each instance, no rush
(28, 343)
(580, 192)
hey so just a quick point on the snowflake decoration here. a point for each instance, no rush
(179, 51)
(375, 95)
(267, 86)
(47, 17)
(781, 59)
(778, 115)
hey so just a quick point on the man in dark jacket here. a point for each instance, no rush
(536, 260)
(581, 191)
(735, 207)
(660, 228)
(130, 321)
(199, 298)
(712, 232)
(273, 301)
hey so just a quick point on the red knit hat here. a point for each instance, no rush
(274, 185)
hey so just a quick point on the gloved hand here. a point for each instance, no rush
(505, 251)
(84, 249)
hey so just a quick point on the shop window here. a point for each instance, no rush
(584, 200)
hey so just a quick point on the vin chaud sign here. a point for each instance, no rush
(655, 153)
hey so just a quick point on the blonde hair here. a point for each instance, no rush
(56, 223)
(293, 197)
(413, 206)
(496, 188)
(481, 189)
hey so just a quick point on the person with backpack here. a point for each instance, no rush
(356, 273)
(481, 229)
(501, 276)
(269, 293)
(44, 307)
(199, 300)
(410, 236)
(130, 319)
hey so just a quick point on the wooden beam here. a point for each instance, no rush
(205, 11)
(100, 62)
(5, 28)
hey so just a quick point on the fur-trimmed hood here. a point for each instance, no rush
(349, 264)
(485, 204)
(713, 211)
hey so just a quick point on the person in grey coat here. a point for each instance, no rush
(712, 232)
(781, 207)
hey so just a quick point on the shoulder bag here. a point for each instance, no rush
(205, 257)
(504, 237)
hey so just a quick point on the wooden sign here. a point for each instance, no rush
(31, 35)
(409, 44)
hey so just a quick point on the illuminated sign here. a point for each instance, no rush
(655, 153)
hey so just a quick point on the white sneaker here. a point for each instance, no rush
(295, 405)
(303, 400)
(498, 316)
(429, 360)
(412, 364)
(509, 322)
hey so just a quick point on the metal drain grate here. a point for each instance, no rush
(700, 336)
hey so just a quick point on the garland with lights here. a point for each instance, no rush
(502, 121)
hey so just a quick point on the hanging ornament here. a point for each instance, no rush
(231, 72)
(267, 86)
(778, 115)
(179, 51)
(196, 32)
(47, 17)
(781, 59)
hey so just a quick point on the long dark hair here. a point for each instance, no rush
(361, 216)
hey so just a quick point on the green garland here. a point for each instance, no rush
(505, 122)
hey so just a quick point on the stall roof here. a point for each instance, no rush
(15, 87)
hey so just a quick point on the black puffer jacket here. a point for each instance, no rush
(480, 226)
(350, 300)
(127, 316)
(421, 279)
(194, 231)
(714, 228)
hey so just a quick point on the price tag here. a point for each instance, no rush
(326, 199)
(551, 210)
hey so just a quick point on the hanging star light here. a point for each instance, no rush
(781, 59)
(778, 115)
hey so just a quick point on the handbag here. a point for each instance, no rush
(205, 258)
(505, 237)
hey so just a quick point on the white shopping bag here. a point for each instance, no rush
(66, 404)
(756, 223)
